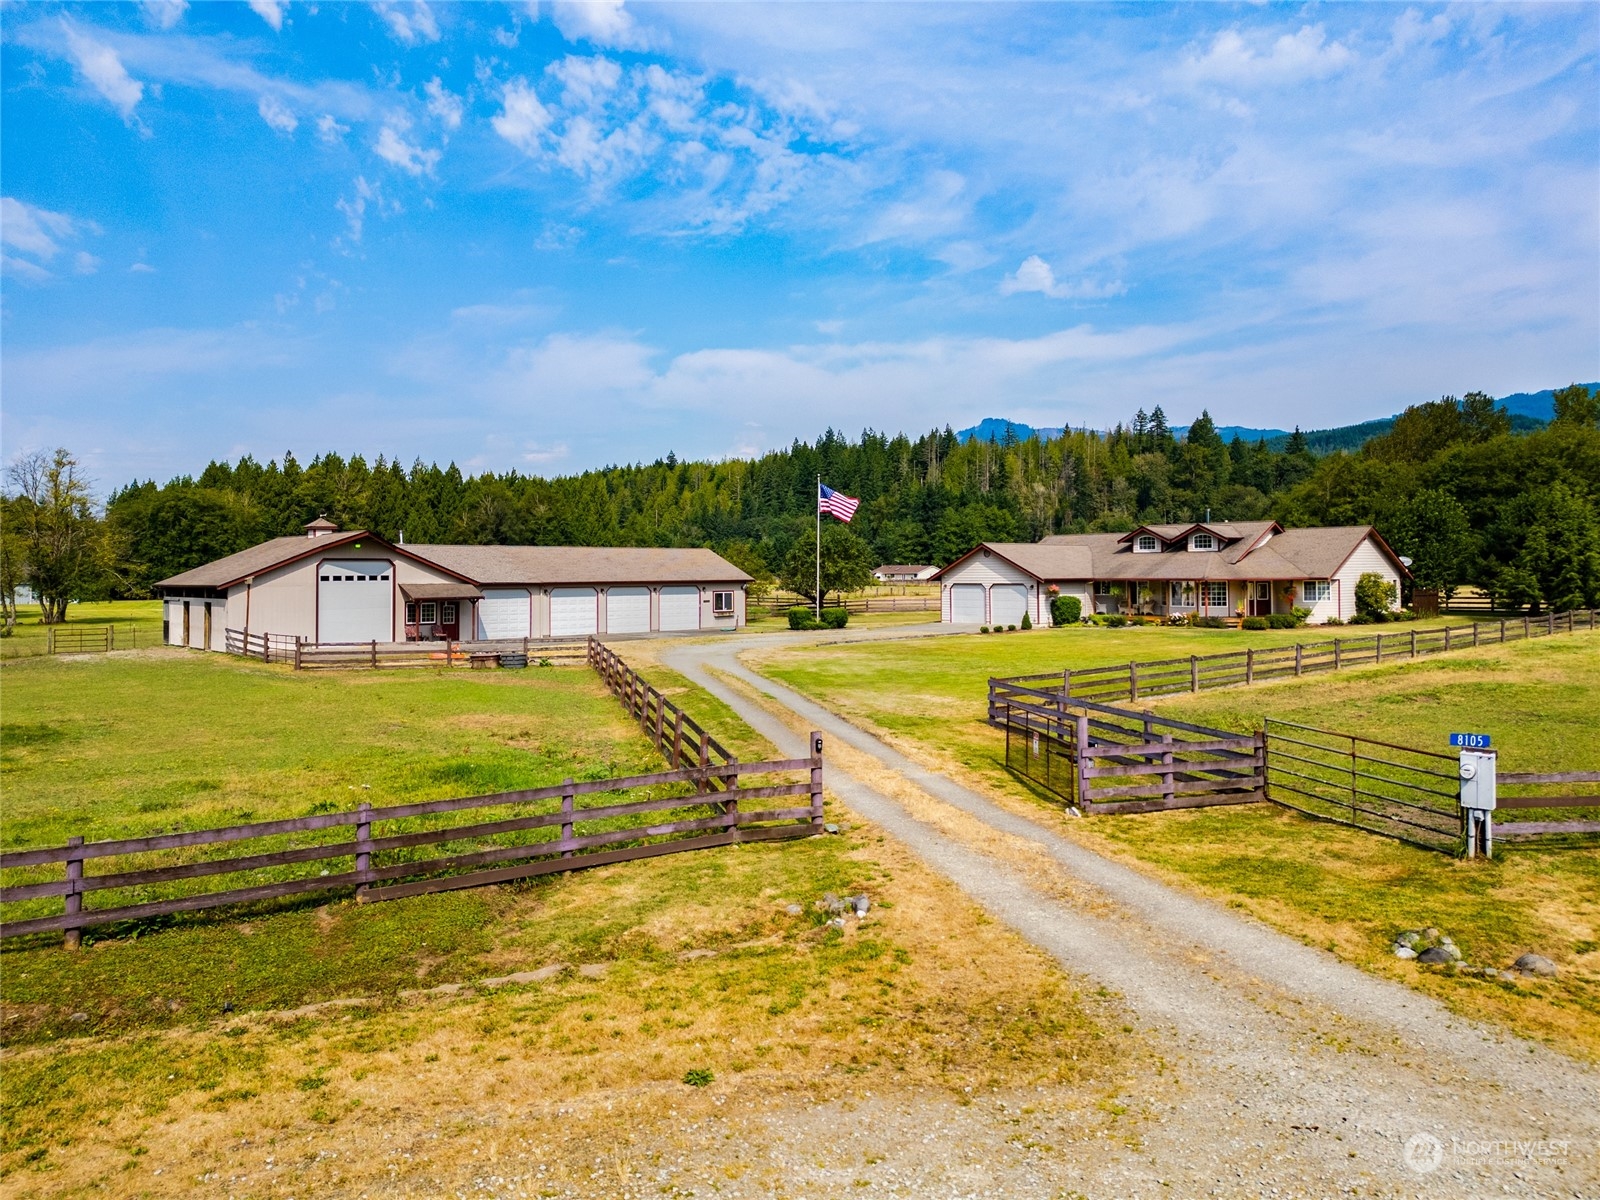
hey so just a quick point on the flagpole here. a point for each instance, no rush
(819, 549)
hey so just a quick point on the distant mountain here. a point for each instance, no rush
(1529, 410)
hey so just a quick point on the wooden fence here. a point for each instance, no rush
(854, 605)
(310, 656)
(1112, 760)
(1529, 796)
(374, 850)
(1135, 680)
(676, 735)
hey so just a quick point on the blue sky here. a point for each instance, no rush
(547, 237)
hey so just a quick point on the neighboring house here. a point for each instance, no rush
(904, 574)
(1213, 568)
(357, 587)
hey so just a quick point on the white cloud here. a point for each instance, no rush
(164, 14)
(270, 11)
(141, 268)
(329, 130)
(275, 114)
(523, 118)
(1036, 275)
(540, 455)
(99, 64)
(84, 263)
(1306, 54)
(394, 149)
(444, 105)
(585, 82)
(34, 231)
(409, 23)
(605, 23)
(355, 208)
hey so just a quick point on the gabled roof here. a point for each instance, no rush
(561, 565)
(1227, 531)
(280, 552)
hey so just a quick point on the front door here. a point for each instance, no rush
(1260, 599)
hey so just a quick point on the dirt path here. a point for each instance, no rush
(1293, 1073)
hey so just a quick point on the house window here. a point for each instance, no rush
(1316, 590)
(1183, 595)
(1146, 543)
(1102, 587)
(722, 604)
(1202, 541)
(430, 612)
(411, 612)
(448, 616)
(1214, 595)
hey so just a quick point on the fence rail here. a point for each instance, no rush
(73, 639)
(676, 734)
(151, 873)
(1528, 795)
(1137, 680)
(310, 656)
(854, 605)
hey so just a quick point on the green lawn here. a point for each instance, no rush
(1335, 887)
(137, 624)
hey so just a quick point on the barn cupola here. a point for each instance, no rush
(321, 527)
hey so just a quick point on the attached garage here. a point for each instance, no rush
(1007, 603)
(355, 602)
(628, 610)
(680, 608)
(504, 613)
(966, 604)
(574, 612)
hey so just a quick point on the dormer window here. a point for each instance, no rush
(1146, 543)
(1202, 541)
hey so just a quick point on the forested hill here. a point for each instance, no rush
(924, 499)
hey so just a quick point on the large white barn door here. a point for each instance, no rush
(503, 615)
(966, 603)
(628, 610)
(573, 612)
(680, 608)
(1007, 603)
(355, 602)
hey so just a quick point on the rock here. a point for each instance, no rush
(860, 904)
(538, 976)
(1409, 939)
(1430, 933)
(1435, 955)
(1402, 951)
(1507, 976)
(79, 1018)
(830, 828)
(1535, 964)
(594, 970)
(794, 910)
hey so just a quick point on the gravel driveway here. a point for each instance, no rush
(1293, 1074)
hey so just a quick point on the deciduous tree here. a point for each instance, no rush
(68, 552)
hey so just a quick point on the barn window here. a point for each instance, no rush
(722, 604)
(430, 612)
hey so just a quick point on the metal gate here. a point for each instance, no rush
(1397, 791)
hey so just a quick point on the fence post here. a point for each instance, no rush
(730, 803)
(1261, 762)
(1414, 641)
(1250, 665)
(1133, 681)
(661, 715)
(677, 738)
(266, 642)
(50, 640)
(111, 637)
(1527, 631)
(1474, 635)
(1447, 637)
(374, 648)
(1338, 654)
(1299, 656)
(297, 652)
(566, 814)
(363, 846)
(1066, 684)
(1502, 631)
(703, 784)
(1377, 653)
(1167, 795)
(1550, 622)
(1081, 744)
(816, 781)
(72, 937)
(1194, 672)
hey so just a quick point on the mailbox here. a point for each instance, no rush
(1477, 780)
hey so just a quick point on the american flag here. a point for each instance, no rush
(836, 503)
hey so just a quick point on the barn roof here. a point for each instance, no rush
(561, 565)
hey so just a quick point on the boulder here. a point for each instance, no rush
(1409, 939)
(1403, 951)
(1435, 955)
(861, 904)
(1535, 964)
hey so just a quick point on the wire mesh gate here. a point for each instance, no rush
(1397, 791)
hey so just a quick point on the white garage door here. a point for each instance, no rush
(966, 603)
(503, 614)
(680, 608)
(355, 602)
(628, 610)
(573, 612)
(1007, 603)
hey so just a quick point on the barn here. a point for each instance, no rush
(330, 587)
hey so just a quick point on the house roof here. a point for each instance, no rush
(278, 552)
(441, 591)
(1291, 554)
(1227, 531)
(558, 565)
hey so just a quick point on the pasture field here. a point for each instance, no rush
(1347, 891)
(137, 624)
(308, 1045)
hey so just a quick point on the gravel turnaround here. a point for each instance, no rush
(1292, 1073)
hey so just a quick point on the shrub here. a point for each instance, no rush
(1210, 623)
(1363, 619)
(1374, 595)
(1282, 621)
(1027, 621)
(1066, 610)
(1300, 614)
(1254, 623)
(698, 1076)
(801, 617)
(983, 629)
(1116, 620)
(1177, 619)
(1333, 621)
(835, 618)
(1011, 628)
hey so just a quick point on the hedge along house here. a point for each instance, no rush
(332, 587)
(1218, 569)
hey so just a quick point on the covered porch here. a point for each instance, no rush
(1227, 599)
(438, 611)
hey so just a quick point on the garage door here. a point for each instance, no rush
(680, 608)
(966, 603)
(355, 602)
(503, 615)
(1007, 603)
(628, 610)
(573, 612)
